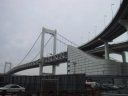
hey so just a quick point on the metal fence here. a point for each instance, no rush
(68, 84)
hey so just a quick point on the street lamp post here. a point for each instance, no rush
(88, 35)
(112, 9)
(95, 29)
(105, 20)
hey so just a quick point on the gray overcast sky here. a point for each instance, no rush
(21, 21)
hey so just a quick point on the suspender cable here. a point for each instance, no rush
(44, 46)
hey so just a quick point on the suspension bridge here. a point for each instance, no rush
(56, 57)
(99, 46)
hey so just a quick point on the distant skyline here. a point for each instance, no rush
(21, 21)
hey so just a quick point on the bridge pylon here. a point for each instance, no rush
(52, 33)
(7, 63)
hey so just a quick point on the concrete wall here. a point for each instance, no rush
(81, 62)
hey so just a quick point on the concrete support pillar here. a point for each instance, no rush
(123, 57)
(42, 53)
(124, 81)
(106, 50)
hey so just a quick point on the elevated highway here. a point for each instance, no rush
(112, 31)
(113, 48)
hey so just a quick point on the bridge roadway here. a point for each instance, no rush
(62, 57)
(57, 59)
(112, 31)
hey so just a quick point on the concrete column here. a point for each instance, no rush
(42, 53)
(123, 57)
(124, 81)
(106, 50)
(54, 53)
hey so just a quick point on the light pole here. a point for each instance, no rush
(112, 9)
(105, 20)
(88, 35)
(95, 29)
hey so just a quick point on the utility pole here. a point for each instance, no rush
(105, 20)
(88, 36)
(95, 30)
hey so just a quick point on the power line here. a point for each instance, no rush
(30, 49)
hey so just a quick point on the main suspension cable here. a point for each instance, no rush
(30, 49)
(67, 39)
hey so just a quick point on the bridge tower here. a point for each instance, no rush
(7, 63)
(53, 33)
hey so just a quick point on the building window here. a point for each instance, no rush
(68, 65)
